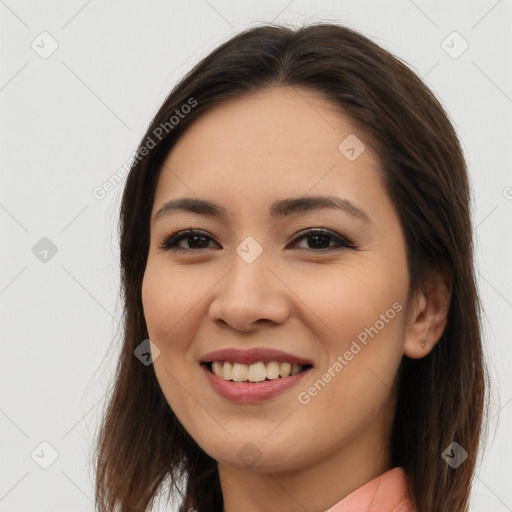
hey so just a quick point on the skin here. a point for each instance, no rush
(245, 154)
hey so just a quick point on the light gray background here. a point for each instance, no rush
(70, 120)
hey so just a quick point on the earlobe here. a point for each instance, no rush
(429, 315)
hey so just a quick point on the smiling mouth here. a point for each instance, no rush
(254, 373)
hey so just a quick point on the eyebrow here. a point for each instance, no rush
(278, 209)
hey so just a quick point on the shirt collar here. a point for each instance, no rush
(386, 493)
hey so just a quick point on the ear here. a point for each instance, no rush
(428, 314)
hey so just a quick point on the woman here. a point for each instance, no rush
(296, 243)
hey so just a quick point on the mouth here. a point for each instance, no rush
(256, 383)
(262, 371)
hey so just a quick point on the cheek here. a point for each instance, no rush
(174, 309)
(168, 303)
(344, 302)
(358, 317)
(167, 298)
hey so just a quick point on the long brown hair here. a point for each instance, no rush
(441, 399)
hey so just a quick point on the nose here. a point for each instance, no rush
(249, 295)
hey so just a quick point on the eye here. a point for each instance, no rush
(191, 236)
(200, 240)
(320, 238)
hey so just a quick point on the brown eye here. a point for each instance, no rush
(194, 238)
(318, 240)
(321, 239)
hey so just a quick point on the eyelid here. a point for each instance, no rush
(169, 242)
(324, 231)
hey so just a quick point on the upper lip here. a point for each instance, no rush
(253, 355)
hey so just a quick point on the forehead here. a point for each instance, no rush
(277, 142)
(272, 121)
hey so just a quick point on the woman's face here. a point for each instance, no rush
(249, 282)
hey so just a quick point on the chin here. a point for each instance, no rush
(258, 456)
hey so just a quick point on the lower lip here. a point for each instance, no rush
(251, 392)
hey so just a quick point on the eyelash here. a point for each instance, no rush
(169, 243)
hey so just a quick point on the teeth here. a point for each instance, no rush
(227, 370)
(240, 372)
(284, 369)
(256, 372)
(295, 369)
(272, 370)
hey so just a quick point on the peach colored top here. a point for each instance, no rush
(386, 493)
